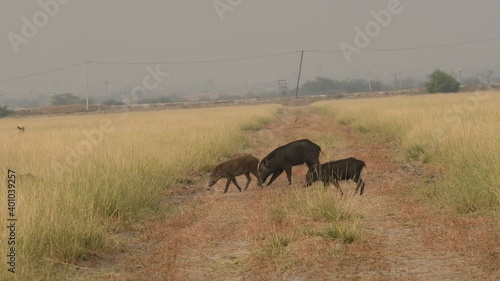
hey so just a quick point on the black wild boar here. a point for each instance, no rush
(332, 172)
(284, 157)
(245, 164)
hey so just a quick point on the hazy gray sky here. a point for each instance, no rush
(168, 30)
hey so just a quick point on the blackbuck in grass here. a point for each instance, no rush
(21, 129)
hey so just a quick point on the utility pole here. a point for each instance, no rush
(489, 75)
(298, 78)
(106, 82)
(459, 71)
(370, 81)
(396, 81)
(2, 94)
(210, 82)
(87, 85)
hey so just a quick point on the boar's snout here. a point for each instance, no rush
(214, 178)
(261, 171)
(263, 176)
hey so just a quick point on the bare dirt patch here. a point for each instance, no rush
(218, 236)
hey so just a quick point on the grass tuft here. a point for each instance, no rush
(278, 214)
(343, 232)
(257, 124)
(415, 153)
(275, 245)
(320, 204)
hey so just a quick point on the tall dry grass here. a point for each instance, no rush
(459, 132)
(92, 173)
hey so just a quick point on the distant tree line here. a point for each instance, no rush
(438, 81)
(324, 85)
(5, 111)
(66, 99)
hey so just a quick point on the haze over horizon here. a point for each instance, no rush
(173, 31)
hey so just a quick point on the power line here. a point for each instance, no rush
(413, 48)
(199, 61)
(146, 63)
(43, 72)
(250, 57)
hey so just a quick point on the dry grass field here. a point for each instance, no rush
(396, 230)
(458, 134)
(81, 179)
(132, 202)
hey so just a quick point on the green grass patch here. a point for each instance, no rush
(275, 245)
(415, 152)
(343, 232)
(257, 124)
(278, 214)
(320, 204)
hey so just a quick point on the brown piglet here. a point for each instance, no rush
(246, 164)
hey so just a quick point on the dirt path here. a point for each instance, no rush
(215, 236)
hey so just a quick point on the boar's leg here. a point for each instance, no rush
(312, 176)
(236, 183)
(309, 179)
(336, 183)
(228, 182)
(249, 179)
(288, 171)
(275, 175)
(326, 183)
(361, 186)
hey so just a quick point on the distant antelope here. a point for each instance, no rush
(21, 129)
